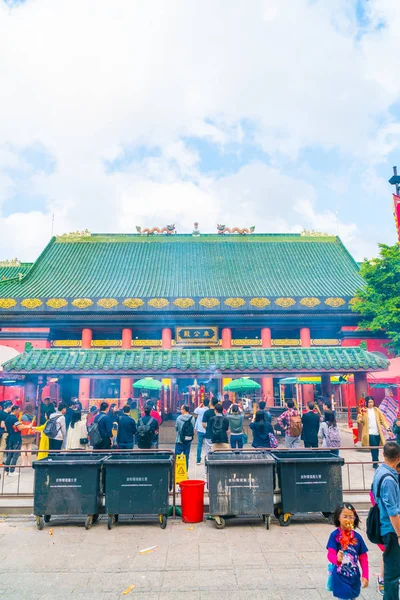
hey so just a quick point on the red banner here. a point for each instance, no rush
(396, 202)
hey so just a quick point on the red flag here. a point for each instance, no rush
(396, 202)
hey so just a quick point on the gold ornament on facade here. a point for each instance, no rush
(335, 302)
(108, 343)
(184, 302)
(325, 342)
(285, 302)
(286, 342)
(209, 302)
(72, 235)
(82, 302)
(31, 303)
(235, 302)
(245, 342)
(260, 302)
(66, 343)
(7, 303)
(158, 302)
(353, 301)
(56, 302)
(310, 302)
(133, 302)
(107, 302)
(146, 343)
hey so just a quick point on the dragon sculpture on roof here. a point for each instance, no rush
(245, 231)
(168, 230)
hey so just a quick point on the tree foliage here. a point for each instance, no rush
(378, 302)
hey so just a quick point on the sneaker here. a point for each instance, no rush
(381, 588)
(198, 462)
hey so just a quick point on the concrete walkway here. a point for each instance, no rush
(188, 562)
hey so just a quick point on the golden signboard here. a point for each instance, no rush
(199, 336)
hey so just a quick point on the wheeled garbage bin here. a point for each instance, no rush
(309, 481)
(138, 484)
(240, 483)
(68, 484)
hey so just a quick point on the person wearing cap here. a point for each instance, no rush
(4, 413)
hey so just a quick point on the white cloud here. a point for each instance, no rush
(87, 83)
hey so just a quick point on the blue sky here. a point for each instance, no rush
(276, 114)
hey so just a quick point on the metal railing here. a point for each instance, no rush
(24, 487)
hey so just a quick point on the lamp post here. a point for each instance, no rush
(395, 180)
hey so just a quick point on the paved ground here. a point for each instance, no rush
(190, 561)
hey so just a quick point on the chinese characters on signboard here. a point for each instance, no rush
(205, 336)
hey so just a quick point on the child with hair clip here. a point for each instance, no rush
(346, 550)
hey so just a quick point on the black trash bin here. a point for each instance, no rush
(138, 484)
(240, 483)
(68, 484)
(309, 481)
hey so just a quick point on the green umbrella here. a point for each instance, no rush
(244, 384)
(148, 383)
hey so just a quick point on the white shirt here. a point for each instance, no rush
(199, 411)
(372, 424)
(74, 435)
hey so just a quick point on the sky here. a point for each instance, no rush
(282, 114)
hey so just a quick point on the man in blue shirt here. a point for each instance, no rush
(105, 428)
(389, 510)
(126, 429)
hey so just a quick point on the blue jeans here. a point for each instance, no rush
(236, 440)
(123, 446)
(200, 440)
(183, 449)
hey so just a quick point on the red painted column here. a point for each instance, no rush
(267, 383)
(308, 390)
(84, 382)
(125, 388)
(166, 338)
(226, 336)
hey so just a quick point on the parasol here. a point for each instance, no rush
(148, 383)
(244, 384)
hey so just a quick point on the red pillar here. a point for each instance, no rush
(125, 388)
(84, 382)
(308, 390)
(267, 383)
(226, 336)
(361, 385)
(166, 338)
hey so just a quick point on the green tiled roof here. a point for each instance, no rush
(7, 272)
(135, 272)
(303, 360)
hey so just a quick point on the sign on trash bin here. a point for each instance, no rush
(180, 468)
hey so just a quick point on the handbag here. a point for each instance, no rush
(84, 441)
(245, 438)
(273, 442)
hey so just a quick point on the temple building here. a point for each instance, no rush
(96, 312)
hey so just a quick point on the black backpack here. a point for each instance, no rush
(373, 528)
(145, 433)
(51, 429)
(94, 432)
(218, 431)
(187, 431)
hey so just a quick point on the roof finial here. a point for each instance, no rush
(196, 231)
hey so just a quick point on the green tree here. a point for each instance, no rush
(378, 302)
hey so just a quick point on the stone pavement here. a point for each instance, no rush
(189, 562)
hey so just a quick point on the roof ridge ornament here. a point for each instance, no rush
(75, 234)
(196, 231)
(313, 233)
(222, 229)
(14, 262)
(168, 230)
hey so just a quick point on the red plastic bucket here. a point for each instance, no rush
(192, 500)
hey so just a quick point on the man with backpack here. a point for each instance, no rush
(184, 433)
(101, 433)
(290, 422)
(126, 429)
(219, 426)
(55, 428)
(208, 414)
(386, 492)
(147, 429)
